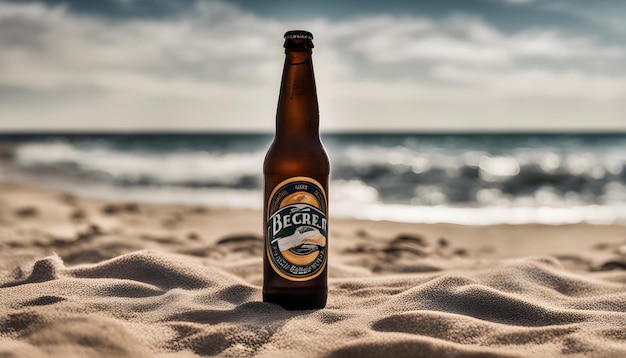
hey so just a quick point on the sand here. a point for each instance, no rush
(83, 277)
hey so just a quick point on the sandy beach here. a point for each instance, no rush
(99, 278)
(455, 171)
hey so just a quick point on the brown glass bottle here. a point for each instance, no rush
(296, 171)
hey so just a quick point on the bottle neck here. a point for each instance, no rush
(298, 112)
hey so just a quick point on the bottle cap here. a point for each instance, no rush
(298, 34)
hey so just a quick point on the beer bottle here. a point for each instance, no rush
(296, 173)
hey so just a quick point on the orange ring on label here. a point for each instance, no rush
(307, 198)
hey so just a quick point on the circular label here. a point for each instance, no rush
(297, 229)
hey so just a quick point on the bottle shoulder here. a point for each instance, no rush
(297, 155)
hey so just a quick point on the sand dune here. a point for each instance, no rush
(84, 277)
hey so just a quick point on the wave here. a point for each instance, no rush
(434, 176)
(136, 168)
(372, 179)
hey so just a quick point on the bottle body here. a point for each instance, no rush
(296, 171)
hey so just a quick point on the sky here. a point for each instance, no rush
(393, 65)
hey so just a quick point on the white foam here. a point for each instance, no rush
(592, 214)
(169, 176)
(165, 168)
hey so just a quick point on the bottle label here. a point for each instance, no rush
(297, 229)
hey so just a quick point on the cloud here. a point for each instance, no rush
(216, 66)
(467, 39)
(600, 15)
(538, 83)
(391, 40)
(47, 47)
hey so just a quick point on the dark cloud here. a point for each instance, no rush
(508, 15)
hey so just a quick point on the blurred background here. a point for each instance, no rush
(463, 111)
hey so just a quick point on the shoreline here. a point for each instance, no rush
(29, 213)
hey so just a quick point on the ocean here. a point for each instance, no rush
(476, 179)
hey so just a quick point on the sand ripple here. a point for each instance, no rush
(155, 304)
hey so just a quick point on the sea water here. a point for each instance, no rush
(474, 179)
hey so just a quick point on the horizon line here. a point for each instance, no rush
(603, 131)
